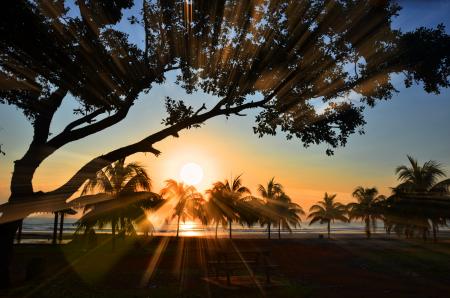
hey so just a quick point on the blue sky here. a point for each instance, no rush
(413, 122)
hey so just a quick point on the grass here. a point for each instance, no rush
(308, 268)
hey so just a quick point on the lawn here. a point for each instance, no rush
(167, 267)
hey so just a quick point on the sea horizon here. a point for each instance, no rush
(44, 226)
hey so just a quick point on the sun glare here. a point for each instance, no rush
(187, 226)
(191, 173)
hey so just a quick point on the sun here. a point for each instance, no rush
(191, 173)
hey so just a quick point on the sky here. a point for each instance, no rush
(413, 122)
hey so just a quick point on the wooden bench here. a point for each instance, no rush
(230, 262)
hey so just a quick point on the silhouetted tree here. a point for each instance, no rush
(420, 201)
(126, 192)
(366, 208)
(250, 210)
(277, 56)
(327, 211)
(187, 199)
(216, 209)
(270, 194)
(288, 213)
(226, 196)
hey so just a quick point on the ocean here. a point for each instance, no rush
(40, 229)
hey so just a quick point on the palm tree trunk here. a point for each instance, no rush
(433, 226)
(229, 223)
(279, 229)
(268, 229)
(367, 220)
(122, 227)
(217, 226)
(113, 228)
(61, 227)
(329, 228)
(55, 228)
(178, 225)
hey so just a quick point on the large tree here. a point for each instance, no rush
(280, 56)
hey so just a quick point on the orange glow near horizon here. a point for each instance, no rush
(190, 229)
(191, 164)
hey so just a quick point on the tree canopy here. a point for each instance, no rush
(280, 57)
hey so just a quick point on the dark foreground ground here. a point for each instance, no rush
(167, 267)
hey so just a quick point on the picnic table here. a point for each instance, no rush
(229, 262)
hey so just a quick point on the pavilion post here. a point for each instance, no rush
(19, 232)
(61, 227)
(55, 228)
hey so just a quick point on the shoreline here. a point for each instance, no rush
(46, 238)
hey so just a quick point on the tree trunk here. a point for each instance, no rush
(368, 234)
(329, 228)
(19, 232)
(61, 227)
(229, 223)
(178, 225)
(279, 230)
(217, 227)
(113, 229)
(7, 234)
(122, 227)
(55, 228)
(424, 234)
(21, 188)
(268, 230)
(434, 231)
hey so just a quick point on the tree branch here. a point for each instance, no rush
(85, 119)
(145, 145)
(144, 16)
(42, 122)
(59, 196)
(67, 136)
(203, 107)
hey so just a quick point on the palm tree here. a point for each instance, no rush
(270, 194)
(288, 213)
(186, 197)
(226, 196)
(422, 179)
(216, 209)
(366, 207)
(327, 211)
(125, 190)
(251, 209)
(424, 195)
